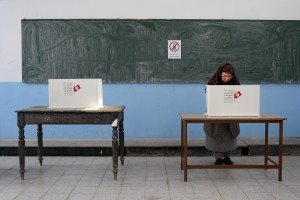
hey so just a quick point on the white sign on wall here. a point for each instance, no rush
(174, 49)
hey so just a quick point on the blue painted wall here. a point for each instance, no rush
(151, 110)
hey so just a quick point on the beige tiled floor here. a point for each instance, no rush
(149, 178)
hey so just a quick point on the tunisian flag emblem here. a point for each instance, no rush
(237, 94)
(76, 88)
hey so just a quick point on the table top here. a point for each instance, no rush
(43, 109)
(204, 117)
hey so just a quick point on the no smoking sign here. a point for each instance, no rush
(174, 49)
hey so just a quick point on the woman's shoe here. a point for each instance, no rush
(227, 161)
(218, 161)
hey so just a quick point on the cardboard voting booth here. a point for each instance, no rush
(233, 100)
(75, 93)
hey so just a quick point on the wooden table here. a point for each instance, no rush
(40, 115)
(265, 118)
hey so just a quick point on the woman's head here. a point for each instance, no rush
(224, 75)
(226, 72)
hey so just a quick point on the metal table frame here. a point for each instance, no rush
(187, 118)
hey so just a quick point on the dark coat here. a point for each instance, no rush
(218, 130)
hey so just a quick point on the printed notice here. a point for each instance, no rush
(174, 49)
(70, 88)
(231, 95)
(228, 95)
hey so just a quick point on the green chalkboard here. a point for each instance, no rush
(136, 51)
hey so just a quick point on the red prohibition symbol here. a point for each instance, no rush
(174, 46)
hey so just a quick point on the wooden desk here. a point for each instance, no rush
(40, 115)
(265, 118)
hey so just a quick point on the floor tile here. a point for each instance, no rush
(144, 178)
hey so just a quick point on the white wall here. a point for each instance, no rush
(12, 11)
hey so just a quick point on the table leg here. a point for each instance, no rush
(181, 163)
(121, 135)
(115, 147)
(266, 148)
(22, 151)
(185, 150)
(280, 151)
(40, 143)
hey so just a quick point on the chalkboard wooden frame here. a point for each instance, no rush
(136, 51)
